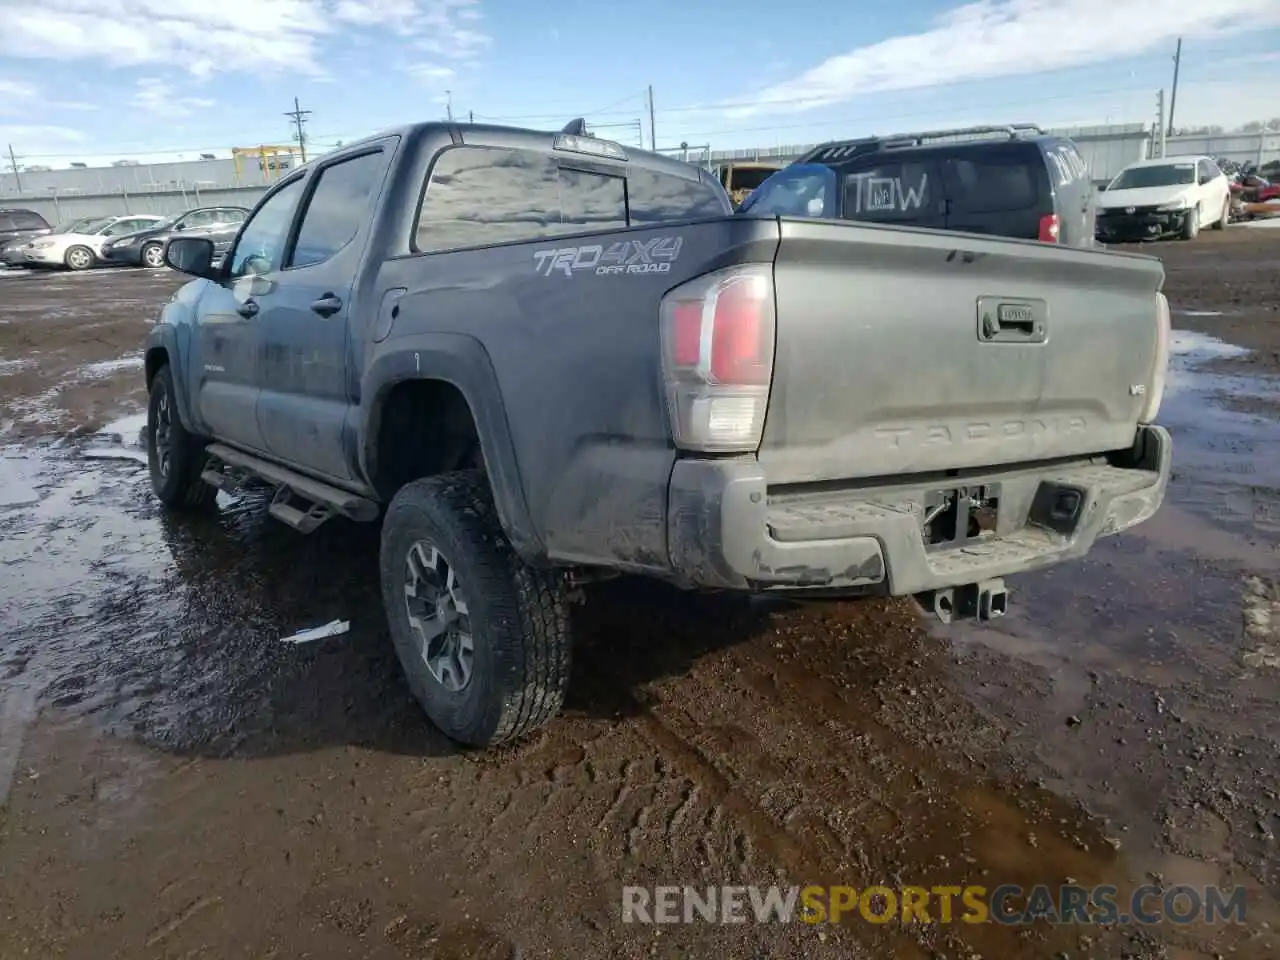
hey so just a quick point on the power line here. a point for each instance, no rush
(299, 119)
(879, 115)
(611, 111)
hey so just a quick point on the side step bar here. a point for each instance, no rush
(299, 501)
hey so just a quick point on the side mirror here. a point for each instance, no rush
(191, 255)
(179, 226)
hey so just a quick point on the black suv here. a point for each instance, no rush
(1009, 181)
(20, 224)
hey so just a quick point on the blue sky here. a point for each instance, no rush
(153, 79)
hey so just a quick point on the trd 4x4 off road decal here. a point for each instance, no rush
(625, 256)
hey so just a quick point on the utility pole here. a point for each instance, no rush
(299, 117)
(653, 133)
(1173, 97)
(1160, 128)
(13, 163)
(448, 104)
(471, 116)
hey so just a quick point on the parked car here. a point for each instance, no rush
(1005, 181)
(551, 358)
(17, 223)
(146, 247)
(739, 178)
(1173, 196)
(83, 249)
(12, 253)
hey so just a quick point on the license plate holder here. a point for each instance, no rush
(960, 516)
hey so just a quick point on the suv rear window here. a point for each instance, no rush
(989, 183)
(482, 195)
(21, 220)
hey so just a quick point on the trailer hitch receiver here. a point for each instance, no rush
(986, 600)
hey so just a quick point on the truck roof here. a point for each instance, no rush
(538, 140)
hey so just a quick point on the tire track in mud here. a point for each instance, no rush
(784, 769)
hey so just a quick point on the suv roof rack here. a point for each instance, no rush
(841, 148)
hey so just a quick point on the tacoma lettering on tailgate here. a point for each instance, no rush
(978, 432)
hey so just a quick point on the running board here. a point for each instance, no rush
(299, 501)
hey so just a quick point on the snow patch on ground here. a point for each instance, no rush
(105, 368)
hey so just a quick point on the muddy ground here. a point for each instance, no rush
(176, 782)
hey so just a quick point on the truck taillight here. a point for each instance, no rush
(717, 358)
(1155, 389)
(1050, 228)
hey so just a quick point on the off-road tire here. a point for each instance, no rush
(518, 614)
(151, 249)
(1226, 216)
(79, 257)
(1191, 227)
(181, 487)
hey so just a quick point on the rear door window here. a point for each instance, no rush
(992, 182)
(484, 195)
(892, 191)
(657, 197)
(339, 203)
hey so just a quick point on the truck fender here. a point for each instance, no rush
(161, 348)
(463, 362)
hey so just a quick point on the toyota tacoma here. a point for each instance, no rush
(543, 358)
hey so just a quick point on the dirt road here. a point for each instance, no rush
(177, 782)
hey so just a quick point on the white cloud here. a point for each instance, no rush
(432, 74)
(158, 98)
(999, 38)
(35, 139)
(16, 90)
(206, 38)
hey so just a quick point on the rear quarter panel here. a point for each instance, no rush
(574, 345)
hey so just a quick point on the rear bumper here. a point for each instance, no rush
(1142, 225)
(726, 532)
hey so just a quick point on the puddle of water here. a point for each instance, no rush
(121, 439)
(167, 628)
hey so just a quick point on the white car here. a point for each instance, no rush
(83, 249)
(1172, 196)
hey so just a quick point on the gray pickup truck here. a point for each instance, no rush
(544, 358)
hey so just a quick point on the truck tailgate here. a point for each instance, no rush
(913, 351)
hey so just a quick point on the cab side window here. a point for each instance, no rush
(338, 205)
(260, 248)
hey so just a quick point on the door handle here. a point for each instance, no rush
(327, 305)
(248, 309)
